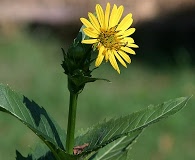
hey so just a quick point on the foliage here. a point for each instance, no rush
(107, 140)
(110, 139)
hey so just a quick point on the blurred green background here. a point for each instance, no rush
(163, 69)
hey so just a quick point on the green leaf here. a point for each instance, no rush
(42, 152)
(37, 119)
(33, 116)
(45, 156)
(109, 131)
(116, 150)
(20, 157)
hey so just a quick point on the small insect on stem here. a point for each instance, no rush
(79, 149)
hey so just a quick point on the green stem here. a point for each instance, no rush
(71, 122)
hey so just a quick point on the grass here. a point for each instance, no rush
(32, 67)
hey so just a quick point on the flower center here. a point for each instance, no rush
(109, 38)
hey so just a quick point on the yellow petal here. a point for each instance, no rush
(133, 45)
(124, 56)
(120, 59)
(94, 21)
(128, 32)
(100, 14)
(101, 49)
(118, 15)
(128, 40)
(99, 60)
(128, 50)
(113, 16)
(113, 62)
(100, 56)
(90, 33)
(88, 25)
(107, 54)
(89, 41)
(107, 13)
(125, 23)
(93, 30)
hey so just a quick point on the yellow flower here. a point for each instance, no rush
(109, 35)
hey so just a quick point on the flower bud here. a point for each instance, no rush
(76, 64)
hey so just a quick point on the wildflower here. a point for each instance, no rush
(109, 35)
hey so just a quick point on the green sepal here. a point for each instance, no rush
(77, 81)
(78, 56)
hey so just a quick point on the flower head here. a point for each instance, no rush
(110, 35)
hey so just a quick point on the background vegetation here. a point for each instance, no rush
(30, 58)
(32, 67)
